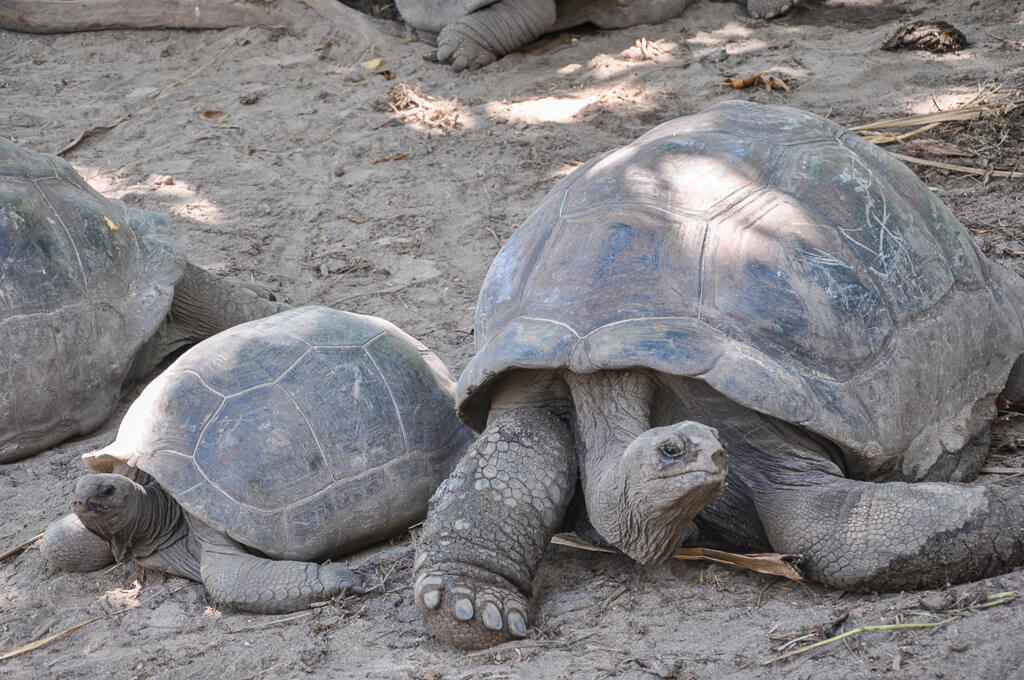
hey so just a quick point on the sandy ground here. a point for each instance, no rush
(279, 157)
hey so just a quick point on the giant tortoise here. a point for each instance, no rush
(749, 288)
(264, 450)
(473, 33)
(93, 296)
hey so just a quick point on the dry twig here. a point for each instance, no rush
(20, 547)
(410, 106)
(774, 564)
(32, 646)
(88, 131)
(857, 631)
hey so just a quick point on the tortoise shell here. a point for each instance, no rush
(793, 266)
(303, 435)
(84, 282)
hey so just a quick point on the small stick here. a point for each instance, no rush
(526, 644)
(760, 595)
(268, 624)
(959, 168)
(192, 75)
(856, 631)
(89, 131)
(20, 547)
(619, 592)
(32, 646)
(386, 291)
(963, 113)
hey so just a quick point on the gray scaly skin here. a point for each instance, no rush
(477, 556)
(488, 525)
(768, 9)
(479, 38)
(474, 576)
(923, 535)
(203, 305)
(486, 34)
(145, 524)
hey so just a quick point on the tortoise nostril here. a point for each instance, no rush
(718, 458)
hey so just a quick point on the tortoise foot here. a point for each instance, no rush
(482, 36)
(457, 46)
(769, 9)
(469, 608)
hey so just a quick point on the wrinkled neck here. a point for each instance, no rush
(612, 409)
(153, 521)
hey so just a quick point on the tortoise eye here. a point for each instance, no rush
(670, 450)
(106, 492)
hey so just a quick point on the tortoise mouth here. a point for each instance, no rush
(657, 526)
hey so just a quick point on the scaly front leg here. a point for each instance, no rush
(488, 526)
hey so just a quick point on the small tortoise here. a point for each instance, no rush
(473, 33)
(749, 283)
(264, 450)
(93, 295)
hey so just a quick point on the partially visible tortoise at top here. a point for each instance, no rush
(265, 449)
(749, 294)
(93, 295)
(473, 33)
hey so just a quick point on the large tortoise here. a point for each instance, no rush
(93, 295)
(473, 33)
(748, 283)
(264, 450)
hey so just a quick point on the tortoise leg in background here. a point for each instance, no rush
(69, 545)
(488, 526)
(482, 36)
(204, 304)
(894, 535)
(768, 9)
(243, 581)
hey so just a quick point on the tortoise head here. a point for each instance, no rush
(108, 504)
(665, 477)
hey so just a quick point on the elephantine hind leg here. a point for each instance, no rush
(488, 526)
(245, 582)
(768, 9)
(479, 38)
(891, 536)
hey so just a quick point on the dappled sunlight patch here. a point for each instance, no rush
(657, 51)
(180, 198)
(944, 101)
(540, 110)
(735, 38)
(618, 99)
(730, 32)
(565, 109)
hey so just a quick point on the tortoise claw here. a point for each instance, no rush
(470, 615)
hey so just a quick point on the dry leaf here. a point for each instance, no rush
(213, 116)
(358, 220)
(372, 64)
(388, 159)
(763, 78)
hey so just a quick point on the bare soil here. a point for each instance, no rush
(298, 160)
